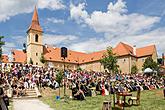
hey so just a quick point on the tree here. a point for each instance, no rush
(79, 69)
(134, 69)
(31, 61)
(109, 61)
(1, 44)
(150, 63)
(160, 61)
(42, 59)
(59, 77)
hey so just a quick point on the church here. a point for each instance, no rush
(127, 55)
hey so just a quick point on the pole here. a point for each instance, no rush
(64, 80)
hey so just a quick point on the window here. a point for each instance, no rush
(143, 60)
(36, 38)
(36, 54)
(36, 63)
(29, 38)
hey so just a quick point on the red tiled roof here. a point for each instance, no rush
(145, 51)
(123, 49)
(18, 56)
(91, 57)
(5, 59)
(35, 25)
(54, 54)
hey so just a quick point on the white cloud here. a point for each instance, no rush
(115, 21)
(90, 45)
(8, 47)
(59, 39)
(156, 37)
(51, 4)
(56, 21)
(118, 25)
(9, 8)
(13, 43)
(78, 13)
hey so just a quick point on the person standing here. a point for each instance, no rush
(2, 103)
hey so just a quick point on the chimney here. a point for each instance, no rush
(134, 49)
(163, 59)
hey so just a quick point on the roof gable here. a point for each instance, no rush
(19, 56)
(145, 51)
(123, 49)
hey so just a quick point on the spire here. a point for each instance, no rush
(35, 25)
(35, 16)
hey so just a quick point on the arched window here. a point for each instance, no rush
(36, 38)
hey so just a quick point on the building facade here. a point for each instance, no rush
(127, 55)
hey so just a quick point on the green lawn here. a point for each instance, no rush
(150, 100)
(11, 105)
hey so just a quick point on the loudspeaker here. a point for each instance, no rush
(64, 52)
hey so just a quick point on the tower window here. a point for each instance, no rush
(36, 38)
(36, 54)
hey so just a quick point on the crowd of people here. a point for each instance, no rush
(82, 83)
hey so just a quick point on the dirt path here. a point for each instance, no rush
(30, 104)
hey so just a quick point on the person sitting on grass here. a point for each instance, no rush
(78, 93)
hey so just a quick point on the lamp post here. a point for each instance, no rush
(64, 55)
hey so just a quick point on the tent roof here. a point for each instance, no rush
(148, 70)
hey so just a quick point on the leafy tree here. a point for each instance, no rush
(42, 59)
(109, 61)
(150, 63)
(31, 61)
(79, 69)
(1, 44)
(59, 77)
(160, 61)
(134, 69)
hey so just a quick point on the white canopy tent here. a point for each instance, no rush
(148, 70)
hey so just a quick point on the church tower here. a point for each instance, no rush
(34, 41)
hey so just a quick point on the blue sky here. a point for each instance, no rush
(85, 25)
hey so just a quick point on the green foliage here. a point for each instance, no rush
(109, 61)
(59, 77)
(1, 44)
(42, 59)
(79, 69)
(134, 69)
(149, 63)
(31, 61)
(160, 61)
